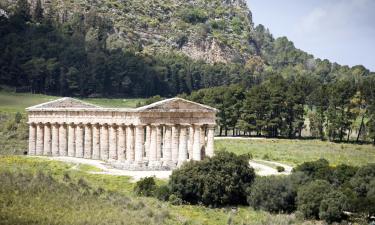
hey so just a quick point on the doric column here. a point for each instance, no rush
(159, 131)
(47, 139)
(182, 151)
(96, 141)
(148, 140)
(113, 142)
(152, 151)
(63, 150)
(210, 140)
(196, 143)
(88, 142)
(39, 139)
(104, 142)
(32, 139)
(130, 143)
(55, 139)
(167, 153)
(203, 140)
(71, 140)
(191, 141)
(139, 140)
(79, 141)
(175, 137)
(121, 144)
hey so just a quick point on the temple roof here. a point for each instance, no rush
(175, 104)
(167, 105)
(65, 102)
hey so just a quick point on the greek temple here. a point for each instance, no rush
(162, 135)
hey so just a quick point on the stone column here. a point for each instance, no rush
(175, 136)
(167, 153)
(71, 140)
(139, 140)
(203, 140)
(121, 145)
(182, 151)
(79, 141)
(39, 139)
(112, 142)
(130, 143)
(96, 141)
(104, 142)
(210, 140)
(153, 146)
(148, 140)
(63, 150)
(191, 141)
(47, 139)
(55, 139)
(159, 131)
(32, 139)
(88, 142)
(196, 143)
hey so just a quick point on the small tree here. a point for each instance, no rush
(273, 194)
(332, 207)
(310, 196)
(145, 187)
(219, 180)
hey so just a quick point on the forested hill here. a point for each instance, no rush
(137, 48)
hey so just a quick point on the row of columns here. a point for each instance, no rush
(156, 144)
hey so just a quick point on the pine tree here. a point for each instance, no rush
(38, 12)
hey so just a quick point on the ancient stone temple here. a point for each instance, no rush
(161, 135)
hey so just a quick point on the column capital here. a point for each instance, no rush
(211, 125)
(32, 123)
(55, 124)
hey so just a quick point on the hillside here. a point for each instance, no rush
(129, 48)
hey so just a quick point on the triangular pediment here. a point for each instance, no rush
(176, 105)
(64, 103)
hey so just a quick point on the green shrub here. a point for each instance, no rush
(145, 187)
(273, 194)
(194, 15)
(175, 200)
(342, 174)
(309, 197)
(162, 192)
(315, 170)
(280, 169)
(332, 207)
(219, 180)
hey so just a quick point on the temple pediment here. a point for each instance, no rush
(64, 103)
(176, 105)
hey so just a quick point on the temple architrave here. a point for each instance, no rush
(162, 135)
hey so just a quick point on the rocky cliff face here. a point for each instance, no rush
(214, 30)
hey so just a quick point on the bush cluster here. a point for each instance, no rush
(315, 189)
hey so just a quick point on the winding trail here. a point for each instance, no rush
(261, 167)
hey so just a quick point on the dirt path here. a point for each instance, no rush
(107, 169)
(261, 167)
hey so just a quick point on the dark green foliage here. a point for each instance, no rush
(342, 174)
(145, 187)
(219, 180)
(310, 196)
(319, 169)
(273, 194)
(194, 15)
(362, 179)
(280, 169)
(162, 192)
(332, 207)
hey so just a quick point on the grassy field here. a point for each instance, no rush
(294, 152)
(17, 102)
(40, 191)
